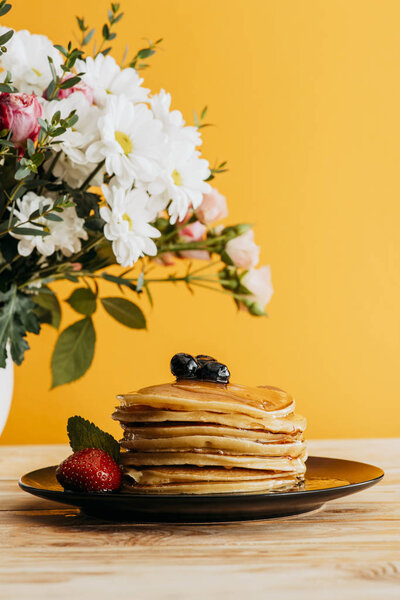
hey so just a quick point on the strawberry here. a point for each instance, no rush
(89, 470)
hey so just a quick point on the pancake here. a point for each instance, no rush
(215, 487)
(202, 437)
(162, 475)
(145, 432)
(204, 395)
(143, 414)
(280, 463)
(233, 445)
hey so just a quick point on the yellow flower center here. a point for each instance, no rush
(124, 141)
(37, 73)
(176, 176)
(127, 218)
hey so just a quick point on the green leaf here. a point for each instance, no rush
(87, 37)
(5, 37)
(84, 434)
(29, 231)
(21, 173)
(74, 352)
(125, 312)
(50, 311)
(30, 146)
(52, 217)
(61, 49)
(68, 83)
(16, 318)
(4, 9)
(83, 301)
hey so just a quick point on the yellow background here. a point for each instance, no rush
(306, 98)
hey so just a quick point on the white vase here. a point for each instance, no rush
(6, 391)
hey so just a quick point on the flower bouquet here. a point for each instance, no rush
(95, 171)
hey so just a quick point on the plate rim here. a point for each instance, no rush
(151, 497)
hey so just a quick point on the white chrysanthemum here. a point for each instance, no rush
(73, 166)
(173, 121)
(127, 224)
(106, 78)
(75, 173)
(182, 181)
(65, 235)
(26, 58)
(131, 143)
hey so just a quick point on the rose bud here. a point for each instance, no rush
(242, 250)
(194, 232)
(213, 207)
(258, 283)
(81, 86)
(19, 113)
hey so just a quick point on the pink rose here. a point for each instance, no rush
(194, 232)
(258, 283)
(242, 250)
(19, 113)
(81, 86)
(213, 207)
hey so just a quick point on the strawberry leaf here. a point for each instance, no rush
(84, 434)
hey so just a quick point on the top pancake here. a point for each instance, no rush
(189, 395)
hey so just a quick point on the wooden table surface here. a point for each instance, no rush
(350, 549)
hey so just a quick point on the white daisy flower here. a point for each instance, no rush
(72, 166)
(75, 172)
(182, 181)
(127, 224)
(69, 232)
(131, 142)
(65, 235)
(173, 121)
(26, 58)
(106, 78)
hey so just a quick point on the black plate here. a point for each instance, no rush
(326, 479)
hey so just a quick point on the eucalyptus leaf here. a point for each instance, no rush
(125, 312)
(6, 36)
(74, 352)
(29, 231)
(51, 217)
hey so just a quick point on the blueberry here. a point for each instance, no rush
(184, 366)
(203, 358)
(213, 371)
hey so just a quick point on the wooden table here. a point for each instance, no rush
(350, 549)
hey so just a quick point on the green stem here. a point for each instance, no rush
(89, 178)
(53, 163)
(199, 245)
(8, 264)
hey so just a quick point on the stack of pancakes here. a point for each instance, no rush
(197, 437)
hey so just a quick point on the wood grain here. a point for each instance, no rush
(350, 549)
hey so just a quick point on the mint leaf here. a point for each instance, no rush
(84, 434)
